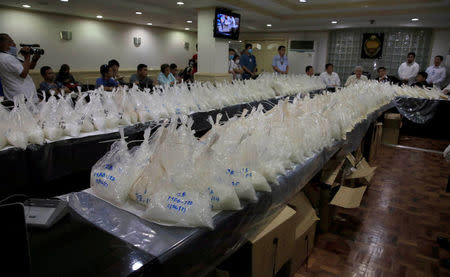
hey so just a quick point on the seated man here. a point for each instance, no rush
(330, 78)
(114, 64)
(107, 80)
(309, 71)
(357, 77)
(140, 78)
(384, 78)
(50, 83)
(165, 77)
(421, 80)
(174, 71)
(66, 78)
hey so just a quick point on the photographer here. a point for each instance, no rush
(14, 72)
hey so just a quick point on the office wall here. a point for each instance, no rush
(95, 41)
(320, 43)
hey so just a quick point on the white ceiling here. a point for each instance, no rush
(284, 15)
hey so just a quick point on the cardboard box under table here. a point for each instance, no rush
(305, 229)
(338, 189)
(268, 250)
(391, 128)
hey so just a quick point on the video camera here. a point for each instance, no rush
(34, 50)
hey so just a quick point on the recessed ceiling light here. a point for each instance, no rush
(334, 22)
(269, 25)
(240, 41)
(302, 1)
(26, 6)
(99, 16)
(64, 0)
(189, 21)
(149, 24)
(415, 19)
(187, 29)
(229, 41)
(138, 12)
(180, 3)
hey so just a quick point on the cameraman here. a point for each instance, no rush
(14, 72)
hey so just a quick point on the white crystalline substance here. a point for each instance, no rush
(110, 175)
(260, 183)
(72, 129)
(180, 208)
(242, 185)
(53, 132)
(223, 197)
(17, 138)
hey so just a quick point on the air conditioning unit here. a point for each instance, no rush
(302, 45)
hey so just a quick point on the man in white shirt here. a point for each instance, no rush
(330, 78)
(408, 70)
(280, 62)
(357, 77)
(14, 73)
(436, 72)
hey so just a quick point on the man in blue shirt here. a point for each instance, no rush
(49, 82)
(248, 63)
(280, 62)
(107, 80)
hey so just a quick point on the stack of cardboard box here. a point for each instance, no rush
(278, 248)
(391, 128)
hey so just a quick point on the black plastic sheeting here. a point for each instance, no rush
(418, 111)
(195, 251)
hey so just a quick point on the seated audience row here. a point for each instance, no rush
(15, 78)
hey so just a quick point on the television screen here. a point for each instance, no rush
(226, 24)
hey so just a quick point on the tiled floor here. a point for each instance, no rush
(393, 232)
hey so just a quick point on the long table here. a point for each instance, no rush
(45, 170)
(149, 248)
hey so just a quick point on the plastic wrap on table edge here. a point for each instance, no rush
(230, 226)
(416, 110)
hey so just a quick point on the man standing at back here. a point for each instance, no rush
(436, 73)
(280, 62)
(408, 70)
(14, 72)
(248, 63)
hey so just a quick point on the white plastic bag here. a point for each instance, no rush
(71, 120)
(211, 173)
(110, 175)
(50, 117)
(184, 208)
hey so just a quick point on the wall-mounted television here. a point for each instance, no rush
(227, 24)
